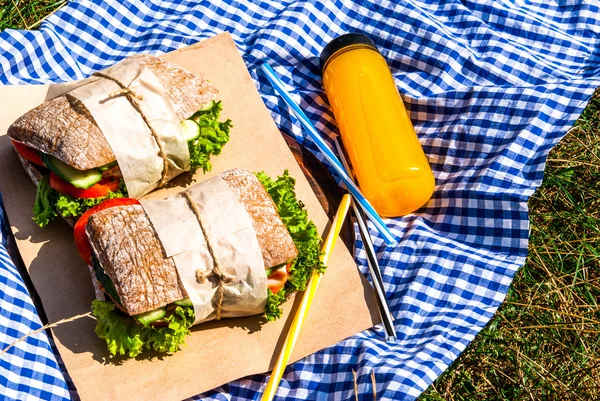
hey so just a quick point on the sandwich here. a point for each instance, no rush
(150, 302)
(67, 155)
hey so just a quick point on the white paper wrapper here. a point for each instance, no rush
(229, 230)
(128, 135)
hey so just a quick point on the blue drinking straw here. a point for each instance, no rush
(329, 155)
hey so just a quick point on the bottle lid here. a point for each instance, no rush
(348, 39)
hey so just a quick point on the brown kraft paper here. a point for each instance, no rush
(219, 351)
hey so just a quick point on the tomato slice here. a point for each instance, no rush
(97, 190)
(81, 240)
(27, 153)
(277, 279)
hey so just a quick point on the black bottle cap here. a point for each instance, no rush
(348, 39)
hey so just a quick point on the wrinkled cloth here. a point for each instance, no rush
(28, 370)
(491, 86)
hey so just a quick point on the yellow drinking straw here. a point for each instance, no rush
(309, 294)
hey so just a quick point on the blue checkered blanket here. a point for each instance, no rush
(491, 87)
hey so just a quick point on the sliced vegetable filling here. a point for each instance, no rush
(70, 192)
(29, 154)
(76, 178)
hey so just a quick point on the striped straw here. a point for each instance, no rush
(329, 155)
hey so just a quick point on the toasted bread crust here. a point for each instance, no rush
(186, 91)
(273, 237)
(64, 128)
(130, 252)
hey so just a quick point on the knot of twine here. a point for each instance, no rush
(133, 99)
(126, 91)
(222, 277)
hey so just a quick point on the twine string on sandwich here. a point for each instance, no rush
(126, 91)
(222, 277)
(133, 98)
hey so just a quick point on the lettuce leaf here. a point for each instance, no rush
(303, 232)
(68, 206)
(48, 202)
(213, 136)
(45, 199)
(124, 337)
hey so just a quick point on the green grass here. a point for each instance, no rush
(544, 341)
(26, 14)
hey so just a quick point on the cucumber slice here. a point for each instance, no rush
(146, 318)
(184, 302)
(191, 130)
(204, 110)
(208, 106)
(78, 178)
(107, 166)
(270, 270)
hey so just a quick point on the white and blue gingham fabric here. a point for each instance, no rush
(491, 87)
(29, 370)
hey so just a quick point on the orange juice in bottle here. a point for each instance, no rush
(386, 156)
